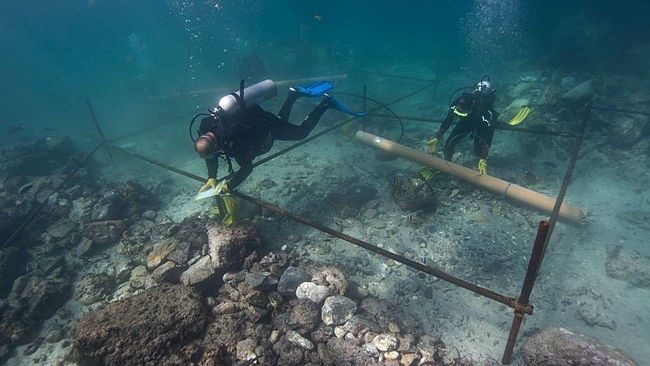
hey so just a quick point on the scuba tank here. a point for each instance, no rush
(253, 95)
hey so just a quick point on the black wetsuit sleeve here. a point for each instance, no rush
(445, 124)
(245, 169)
(213, 167)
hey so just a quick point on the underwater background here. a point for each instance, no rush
(120, 52)
(145, 68)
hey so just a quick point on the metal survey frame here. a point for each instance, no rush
(520, 304)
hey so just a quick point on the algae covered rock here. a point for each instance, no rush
(412, 193)
(560, 346)
(157, 326)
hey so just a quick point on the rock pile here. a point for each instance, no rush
(251, 309)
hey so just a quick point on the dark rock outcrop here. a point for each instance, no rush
(563, 347)
(158, 326)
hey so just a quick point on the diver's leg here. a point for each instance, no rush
(288, 131)
(483, 141)
(285, 111)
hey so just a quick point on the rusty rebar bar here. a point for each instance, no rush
(98, 127)
(534, 263)
(509, 301)
(541, 241)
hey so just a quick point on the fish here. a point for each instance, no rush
(320, 18)
(13, 130)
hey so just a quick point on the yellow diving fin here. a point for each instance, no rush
(520, 116)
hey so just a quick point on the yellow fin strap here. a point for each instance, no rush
(520, 116)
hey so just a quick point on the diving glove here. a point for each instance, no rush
(211, 183)
(432, 145)
(222, 187)
(482, 166)
(520, 116)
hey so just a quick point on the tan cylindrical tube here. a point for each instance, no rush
(505, 189)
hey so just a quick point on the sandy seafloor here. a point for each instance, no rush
(472, 234)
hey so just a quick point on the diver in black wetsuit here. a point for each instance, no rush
(476, 115)
(248, 133)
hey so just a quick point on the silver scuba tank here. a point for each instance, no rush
(253, 95)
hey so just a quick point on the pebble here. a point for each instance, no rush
(393, 328)
(385, 342)
(275, 335)
(295, 338)
(391, 356)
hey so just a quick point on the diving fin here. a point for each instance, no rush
(336, 105)
(316, 89)
(520, 116)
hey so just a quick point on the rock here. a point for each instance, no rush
(359, 324)
(149, 214)
(40, 297)
(181, 254)
(290, 280)
(337, 310)
(412, 193)
(12, 264)
(229, 246)
(593, 309)
(560, 347)
(391, 356)
(628, 265)
(261, 281)
(85, 246)
(199, 272)
(160, 252)
(295, 338)
(385, 342)
(246, 350)
(139, 276)
(93, 288)
(303, 316)
(37, 158)
(49, 264)
(106, 211)
(343, 352)
(104, 232)
(332, 277)
(168, 272)
(126, 201)
(580, 93)
(81, 211)
(568, 82)
(518, 103)
(315, 293)
(629, 128)
(32, 300)
(61, 228)
(158, 326)
(409, 359)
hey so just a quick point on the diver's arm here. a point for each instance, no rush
(445, 124)
(245, 169)
(213, 167)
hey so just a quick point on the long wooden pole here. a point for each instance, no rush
(505, 189)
